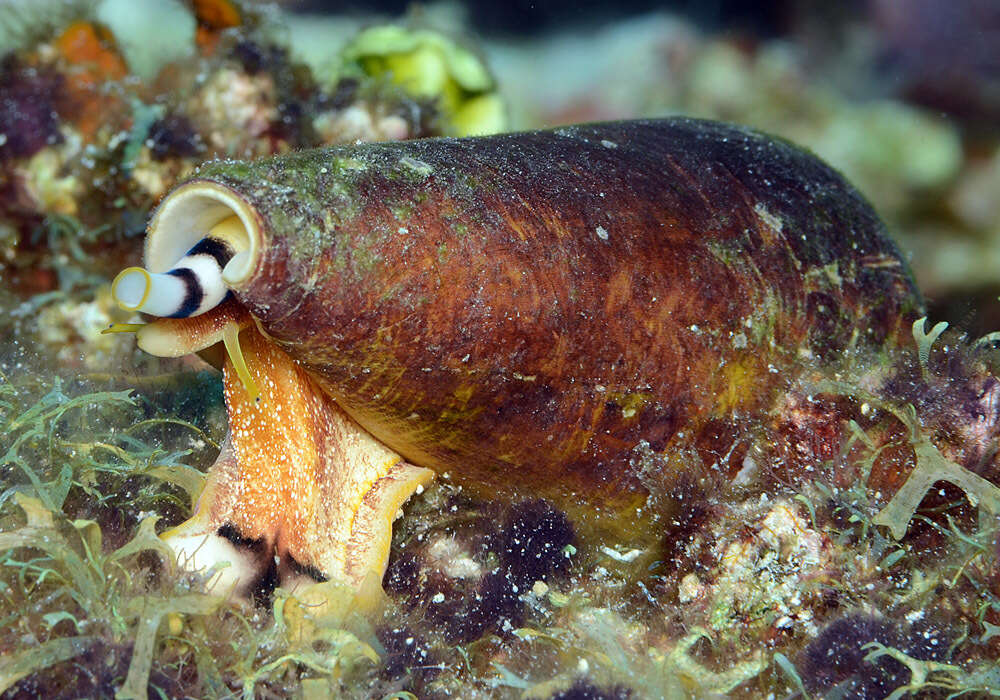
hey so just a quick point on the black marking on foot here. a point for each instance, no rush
(307, 570)
(229, 532)
(262, 589)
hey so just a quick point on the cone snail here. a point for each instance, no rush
(520, 311)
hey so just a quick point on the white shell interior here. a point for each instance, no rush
(187, 214)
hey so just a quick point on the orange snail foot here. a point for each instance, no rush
(300, 493)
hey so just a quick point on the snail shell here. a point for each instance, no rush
(522, 311)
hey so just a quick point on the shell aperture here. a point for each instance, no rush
(193, 286)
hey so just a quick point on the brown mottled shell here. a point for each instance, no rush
(523, 311)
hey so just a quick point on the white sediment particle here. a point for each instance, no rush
(626, 557)
(608, 144)
(690, 588)
(602, 233)
(452, 559)
(772, 221)
(416, 166)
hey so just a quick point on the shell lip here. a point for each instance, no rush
(187, 214)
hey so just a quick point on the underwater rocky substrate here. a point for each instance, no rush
(738, 590)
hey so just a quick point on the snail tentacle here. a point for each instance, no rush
(231, 339)
(123, 328)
